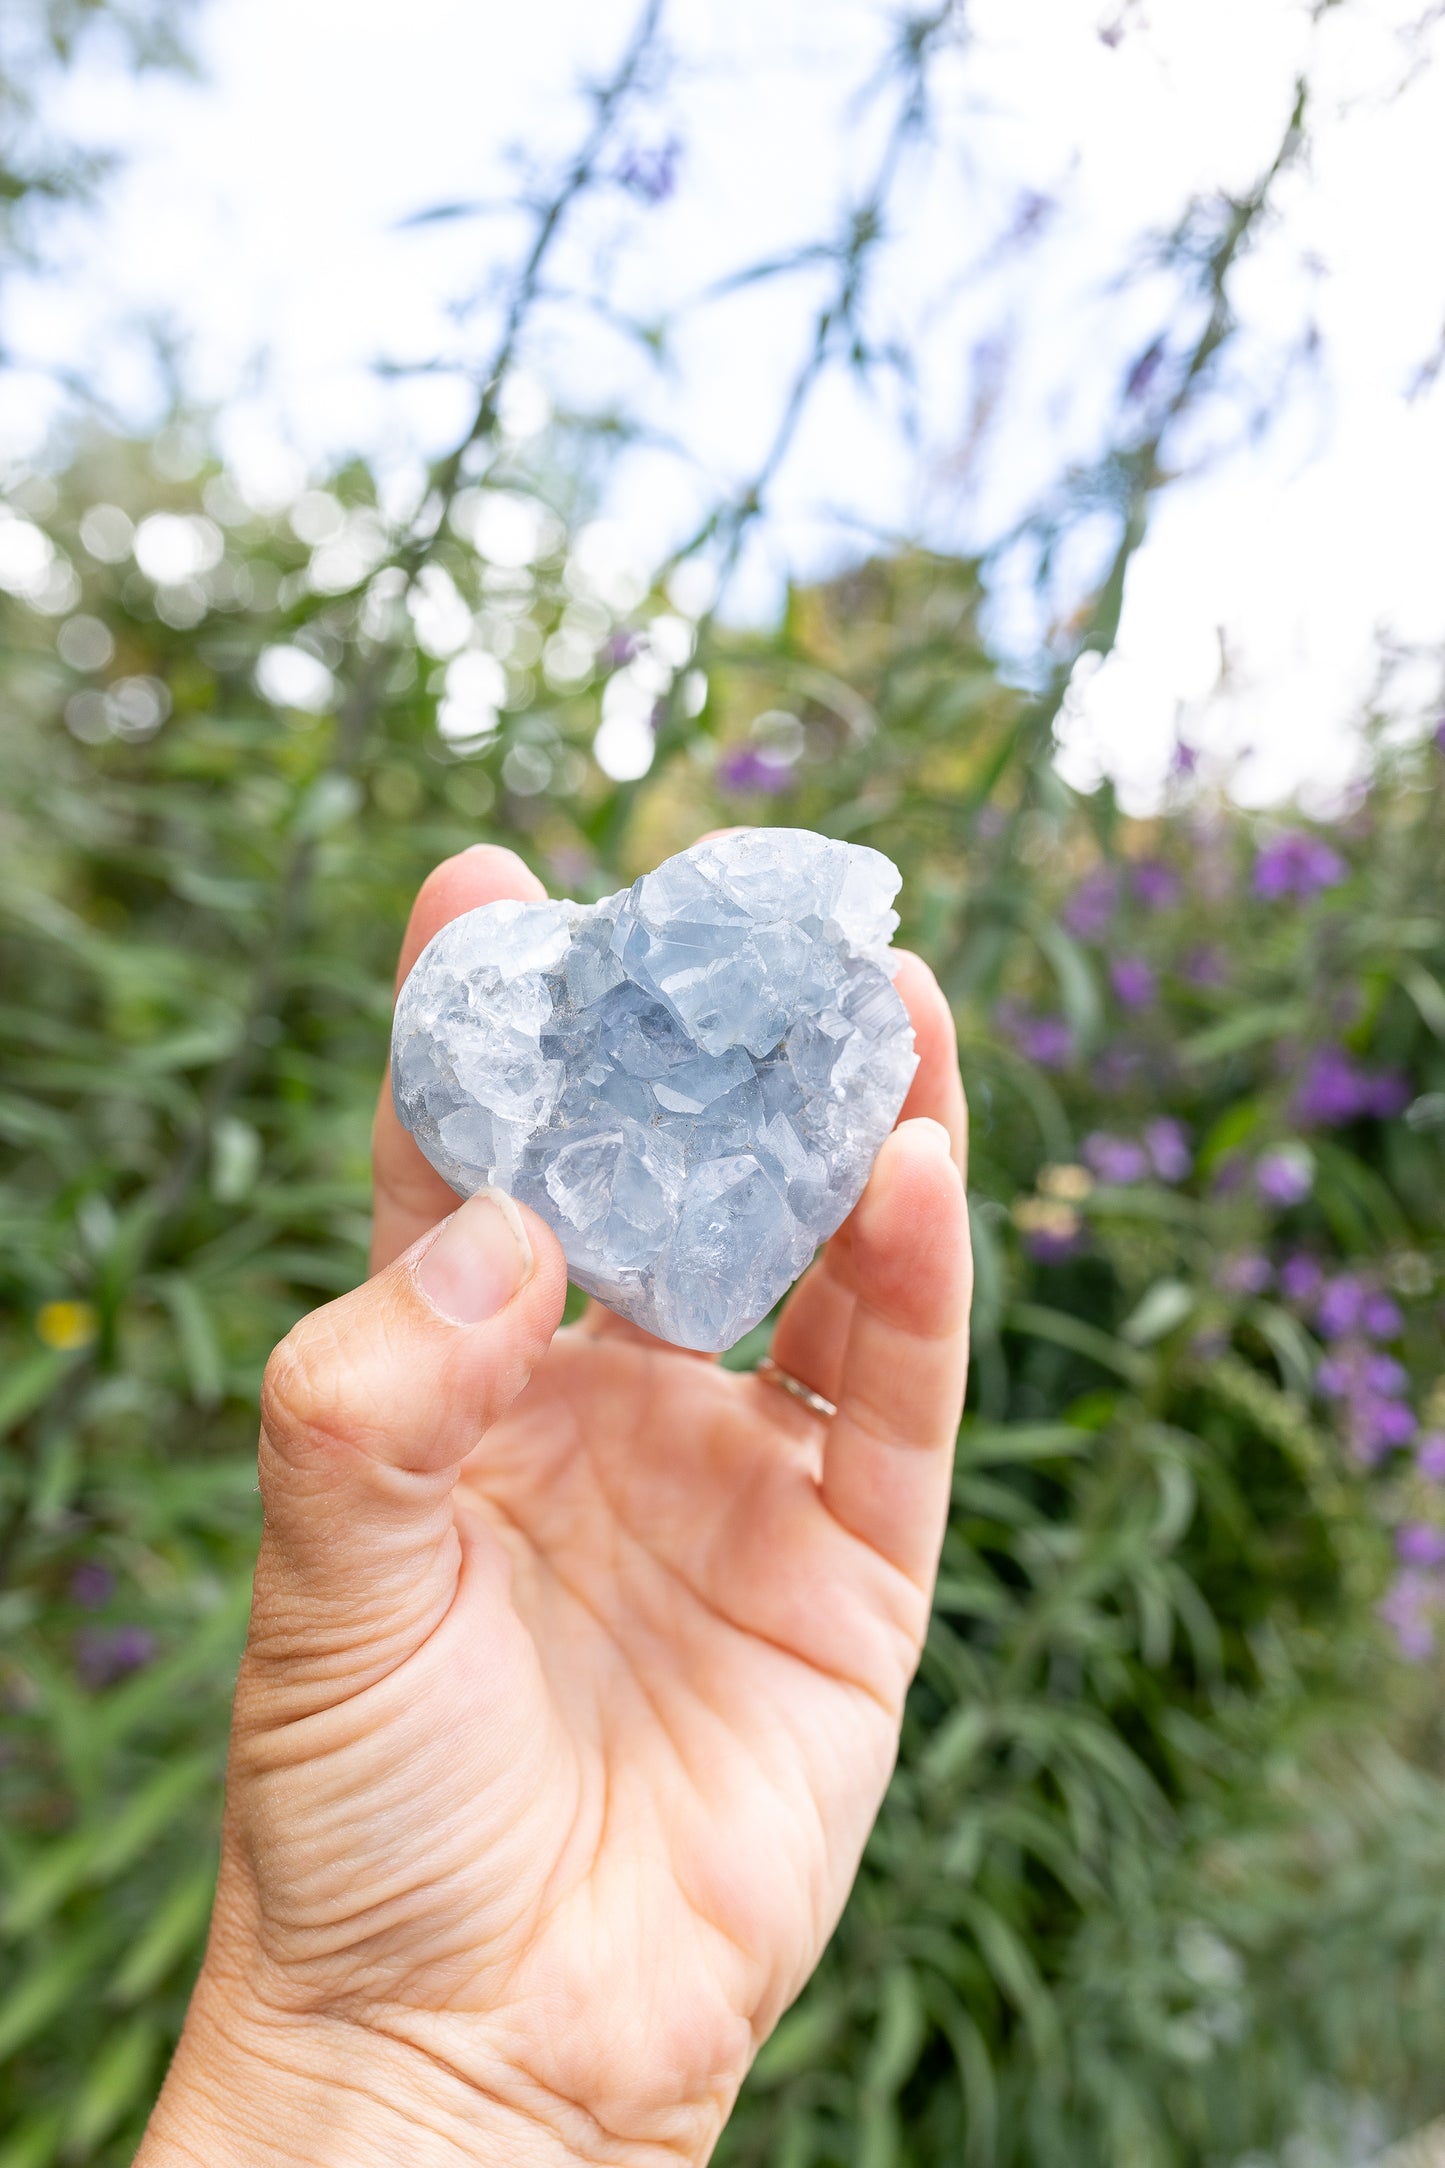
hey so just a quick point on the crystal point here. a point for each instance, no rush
(688, 1081)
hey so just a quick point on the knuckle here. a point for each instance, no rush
(304, 1388)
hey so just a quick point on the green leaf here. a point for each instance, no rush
(196, 1335)
(956, 1744)
(898, 2036)
(1161, 1311)
(1078, 989)
(989, 1282)
(40, 1993)
(1246, 1028)
(1427, 994)
(996, 1445)
(117, 2081)
(879, 2140)
(175, 1930)
(801, 2039)
(28, 1385)
(1297, 1353)
(213, 1645)
(197, 1047)
(106, 1846)
(975, 2070)
(35, 2143)
(235, 1159)
(1013, 1968)
(1081, 1338)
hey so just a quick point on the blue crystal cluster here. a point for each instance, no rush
(689, 1081)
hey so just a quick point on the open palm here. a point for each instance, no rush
(555, 1753)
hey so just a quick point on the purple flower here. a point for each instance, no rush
(1404, 1610)
(1337, 1091)
(1383, 1375)
(1336, 1377)
(1157, 885)
(1204, 966)
(1342, 1306)
(1331, 1092)
(1116, 1069)
(650, 171)
(1248, 1274)
(1229, 1174)
(1090, 909)
(1133, 981)
(1048, 1247)
(1285, 1176)
(1359, 1372)
(1376, 1417)
(748, 771)
(1430, 1456)
(1387, 1093)
(92, 1585)
(104, 1654)
(1376, 1427)
(1115, 1159)
(1052, 1230)
(1046, 1040)
(1167, 1143)
(1381, 1318)
(1420, 1543)
(1300, 1278)
(1297, 864)
(1186, 758)
(621, 647)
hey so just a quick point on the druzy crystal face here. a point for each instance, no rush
(689, 1081)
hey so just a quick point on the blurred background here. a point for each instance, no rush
(1008, 435)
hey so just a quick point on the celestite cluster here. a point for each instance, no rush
(689, 1081)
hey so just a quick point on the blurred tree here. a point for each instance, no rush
(41, 168)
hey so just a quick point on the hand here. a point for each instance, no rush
(574, 1677)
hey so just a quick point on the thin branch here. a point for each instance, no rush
(731, 522)
(366, 696)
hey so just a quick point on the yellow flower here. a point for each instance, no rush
(1047, 1216)
(1070, 1184)
(67, 1325)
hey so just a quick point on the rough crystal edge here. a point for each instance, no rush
(859, 907)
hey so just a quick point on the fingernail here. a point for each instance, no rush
(478, 1261)
(932, 1134)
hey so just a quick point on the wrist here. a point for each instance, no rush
(254, 2088)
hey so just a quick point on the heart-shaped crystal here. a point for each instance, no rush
(689, 1081)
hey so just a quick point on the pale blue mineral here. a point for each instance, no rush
(689, 1081)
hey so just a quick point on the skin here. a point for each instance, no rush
(574, 1679)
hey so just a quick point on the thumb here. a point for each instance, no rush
(367, 1410)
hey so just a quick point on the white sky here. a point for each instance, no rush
(257, 220)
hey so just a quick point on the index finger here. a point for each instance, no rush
(410, 1196)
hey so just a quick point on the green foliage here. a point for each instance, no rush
(1163, 1848)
